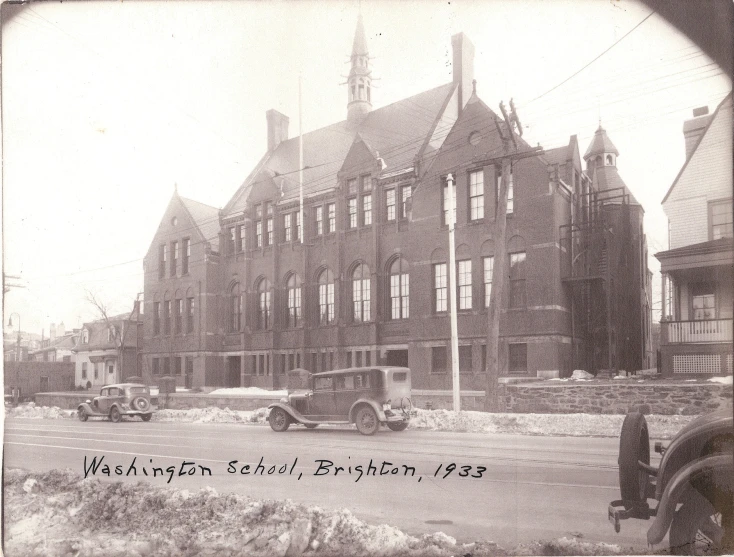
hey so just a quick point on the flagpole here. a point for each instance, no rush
(300, 164)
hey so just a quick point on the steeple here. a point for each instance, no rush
(359, 84)
(601, 151)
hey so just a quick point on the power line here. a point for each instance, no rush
(595, 59)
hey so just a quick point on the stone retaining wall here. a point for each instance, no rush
(544, 397)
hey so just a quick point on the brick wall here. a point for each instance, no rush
(27, 375)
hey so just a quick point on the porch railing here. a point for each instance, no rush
(711, 330)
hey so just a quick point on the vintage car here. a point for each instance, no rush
(693, 485)
(365, 396)
(116, 401)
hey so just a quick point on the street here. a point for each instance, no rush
(518, 489)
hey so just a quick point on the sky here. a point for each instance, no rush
(107, 106)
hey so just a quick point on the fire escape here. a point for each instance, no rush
(596, 245)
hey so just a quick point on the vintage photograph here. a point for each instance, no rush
(367, 278)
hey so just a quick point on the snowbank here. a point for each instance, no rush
(723, 380)
(58, 513)
(250, 391)
(574, 425)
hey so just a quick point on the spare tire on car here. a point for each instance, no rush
(634, 447)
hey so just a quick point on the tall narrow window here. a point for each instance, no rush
(179, 315)
(390, 204)
(156, 318)
(259, 234)
(517, 280)
(167, 317)
(352, 212)
(351, 186)
(518, 358)
(440, 287)
(298, 226)
(263, 304)
(399, 289)
(361, 293)
(405, 193)
(162, 259)
(326, 297)
(367, 209)
(231, 234)
(235, 308)
(269, 231)
(287, 231)
(190, 314)
(476, 195)
(240, 239)
(439, 360)
(156, 366)
(186, 256)
(464, 281)
(331, 215)
(174, 258)
(293, 292)
(445, 201)
(488, 267)
(319, 221)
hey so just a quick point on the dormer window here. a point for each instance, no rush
(85, 336)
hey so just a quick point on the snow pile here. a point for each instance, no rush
(568, 546)
(723, 380)
(248, 391)
(63, 515)
(30, 410)
(576, 425)
(581, 374)
(212, 414)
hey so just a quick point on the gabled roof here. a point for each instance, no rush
(600, 144)
(66, 342)
(557, 155)
(397, 132)
(695, 148)
(206, 219)
(98, 332)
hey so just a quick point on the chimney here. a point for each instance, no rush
(277, 128)
(463, 66)
(693, 129)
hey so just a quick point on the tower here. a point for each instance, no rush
(601, 151)
(359, 83)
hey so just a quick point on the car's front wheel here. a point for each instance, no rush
(397, 426)
(115, 415)
(82, 415)
(366, 420)
(699, 529)
(279, 419)
(146, 417)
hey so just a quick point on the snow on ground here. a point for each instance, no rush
(723, 380)
(248, 391)
(574, 425)
(58, 513)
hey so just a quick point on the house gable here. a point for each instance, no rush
(706, 176)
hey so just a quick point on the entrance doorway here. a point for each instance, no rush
(233, 372)
(398, 358)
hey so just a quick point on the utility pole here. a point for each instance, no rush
(453, 292)
(499, 274)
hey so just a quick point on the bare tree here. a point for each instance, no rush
(116, 334)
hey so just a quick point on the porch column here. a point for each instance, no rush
(664, 278)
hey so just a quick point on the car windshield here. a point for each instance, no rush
(138, 390)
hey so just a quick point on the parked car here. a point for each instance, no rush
(365, 396)
(116, 401)
(693, 485)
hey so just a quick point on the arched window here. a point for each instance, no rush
(610, 160)
(326, 297)
(293, 291)
(235, 308)
(399, 289)
(361, 293)
(263, 304)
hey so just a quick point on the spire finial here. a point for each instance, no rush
(175, 187)
(474, 86)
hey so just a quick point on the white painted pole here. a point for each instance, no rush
(452, 296)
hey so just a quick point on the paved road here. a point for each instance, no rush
(532, 487)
